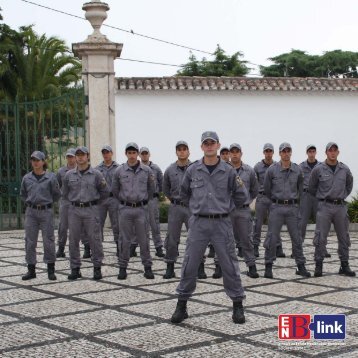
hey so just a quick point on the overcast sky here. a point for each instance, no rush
(258, 28)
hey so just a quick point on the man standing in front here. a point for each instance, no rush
(283, 185)
(133, 184)
(331, 183)
(212, 191)
(84, 187)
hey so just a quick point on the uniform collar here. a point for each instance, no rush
(181, 166)
(127, 167)
(114, 164)
(221, 165)
(283, 169)
(89, 170)
(45, 176)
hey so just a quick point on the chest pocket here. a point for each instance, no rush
(197, 184)
(74, 183)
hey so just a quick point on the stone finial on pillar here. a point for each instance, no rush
(98, 54)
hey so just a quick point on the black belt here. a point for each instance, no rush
(212, 216)
(110, 195)
(177, 202)
(156, 195)
(262, 192)
(135, 205)
(334, 202)
(243, 206)
(39, 207)
(285, 202)
(305, 190)
(84, 205)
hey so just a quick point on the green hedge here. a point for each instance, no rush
(163, 212)
(353, 209)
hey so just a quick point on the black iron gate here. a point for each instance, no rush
(52, 126)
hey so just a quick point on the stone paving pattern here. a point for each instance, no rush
(131, 318)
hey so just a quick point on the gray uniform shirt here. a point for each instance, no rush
(306, 169)
(215, 193)
(173, 177)
(40, 192)
(248, 176)
(260, 170)
(86, 187)
(131, 186)
(326, 184)
(283, 184)
(108, 171)
(158, 175)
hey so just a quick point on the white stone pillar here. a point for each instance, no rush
(98, 54)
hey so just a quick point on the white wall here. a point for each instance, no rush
(159, 119)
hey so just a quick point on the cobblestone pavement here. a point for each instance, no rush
(131, 318)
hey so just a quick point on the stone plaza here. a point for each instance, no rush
(131, 318)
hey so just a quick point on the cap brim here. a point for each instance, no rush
(214, 139)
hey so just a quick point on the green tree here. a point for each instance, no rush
(221, 65)
(34, 66)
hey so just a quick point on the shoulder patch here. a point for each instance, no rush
(239, 181)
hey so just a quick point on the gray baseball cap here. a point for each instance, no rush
(71, 152)
(107, 148)
(132, 145)
(310, 146)
(181, 142)
(268, 146)
(144, 149)
(222, 149)
(330, 145)
(209, 135)
(235, 145)
(38, 155)
(82, 149)
(284, 145)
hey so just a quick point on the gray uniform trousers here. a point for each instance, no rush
(337, 214)
(109, 205)
(308, 207)
(36, 220)
(262, 210)
(153, 211)
(283, 214)
(85, 220)
(177, 215)
(219, 232)
(133, 221)
(242, 225)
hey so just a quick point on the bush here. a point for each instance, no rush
(163, 212)
(353, 209)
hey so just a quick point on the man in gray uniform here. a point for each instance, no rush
(211, 189)
(133, 185)
(241, 216)
(263, 203)
(64, 205)
(153, 204)
(283, 185)
(308, 203)
(331, 182)
(84, 187)
(109, 205)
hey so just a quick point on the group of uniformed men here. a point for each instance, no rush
(211, 196)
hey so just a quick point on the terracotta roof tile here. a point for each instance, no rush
(237, 84)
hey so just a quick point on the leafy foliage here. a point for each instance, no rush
(353, 209)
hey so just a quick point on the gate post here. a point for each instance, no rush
(98, 54)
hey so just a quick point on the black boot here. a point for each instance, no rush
(327, 255)
(75, 274)
(268, 271)
(87, 251)
(279, 251)
(180, 313)
(60, 252)
(318, 271)
(97, 274)
(117, 248)
(159, 251)
(170, 271)
(133, 252)
(301, 270)
(256, 251)
(252, 272)
(345, 269)
(148, 273)
(31, 273)
(239, 252)
(51, 272)
(211, 251)
(238, 312)
(201, 271)
(217, 273)
(122, 273)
